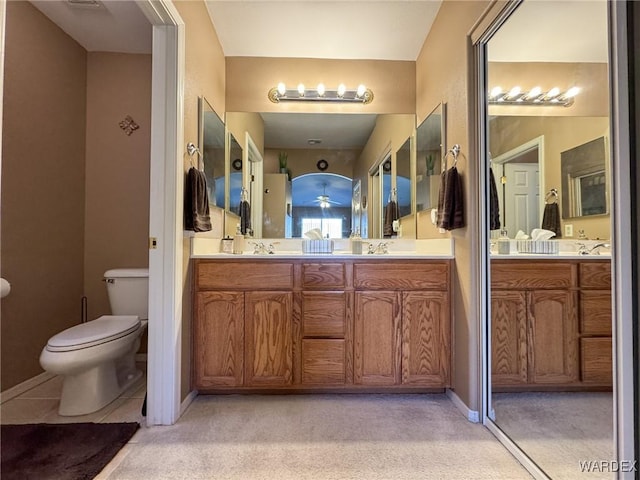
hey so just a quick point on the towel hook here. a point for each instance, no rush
(551, 194)
(192, 150)
(454, 151)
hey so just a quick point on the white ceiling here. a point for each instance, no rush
(380, 30)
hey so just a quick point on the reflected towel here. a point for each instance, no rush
(450, 200)
(551, 219)
(494, 204)
(196, 202)
(244, 210)
(391, 214)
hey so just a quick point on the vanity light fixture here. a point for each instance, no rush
(281, 93)
(534, 97)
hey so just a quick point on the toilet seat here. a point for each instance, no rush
(101, 330)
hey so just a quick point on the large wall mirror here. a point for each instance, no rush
(311, 163)
(211, 142)
(544, 394)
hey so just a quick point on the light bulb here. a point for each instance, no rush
(514, 92)
(495, 91)
(321, 89)
(572, 92)
(361, 90)
(301, 89)
(341, 90)
(535, 91)
(282, 89)
(553, 92)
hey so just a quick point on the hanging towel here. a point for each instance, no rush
(450, 201)
(244, 210)
(551, 219)
(391, 214)
(196, 202)
(494, 204)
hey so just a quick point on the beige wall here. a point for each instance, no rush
(204, 76)
(443, 74)
(303, 161)
(43, 173)
(560, 134)
(250, 78)
(117, 170)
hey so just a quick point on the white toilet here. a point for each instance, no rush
(97, 358)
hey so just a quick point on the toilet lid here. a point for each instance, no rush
(95, 332)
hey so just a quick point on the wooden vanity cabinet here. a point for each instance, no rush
(596, 355)
(547, 322)
(402, 332)
(310, 325)
(242, 337)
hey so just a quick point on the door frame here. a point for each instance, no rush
(165, 213)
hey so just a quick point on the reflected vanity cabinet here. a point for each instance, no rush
(311, 325)
(549, 324)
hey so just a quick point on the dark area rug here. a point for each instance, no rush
(74, 451)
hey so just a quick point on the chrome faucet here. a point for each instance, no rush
(595, 250)
(259, 248)
(381, 248)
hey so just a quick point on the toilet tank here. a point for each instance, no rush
(128, 290)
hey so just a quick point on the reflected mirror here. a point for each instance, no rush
(430, 148)
(235, 175)
(584, 179)
(403, 178)
(551, 358)
(211, 144)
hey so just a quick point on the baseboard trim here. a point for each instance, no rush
(25, 386)
(187, 401)
(472, 415)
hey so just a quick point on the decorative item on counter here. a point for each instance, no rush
(430, 164)
(356, 243)
(227, 244)
(282, 161)
(504, 246)
(238, 241)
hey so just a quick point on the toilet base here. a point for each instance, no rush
(96, 388)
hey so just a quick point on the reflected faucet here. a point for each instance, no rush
(381, 248)
(595, 250)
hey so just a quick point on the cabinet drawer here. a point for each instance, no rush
(539, 275)
(323, 314)
(401, 276)
(323, 275)
(244, 275)
(595, 274)
(595, 312)
(596, 361)
(323, 361)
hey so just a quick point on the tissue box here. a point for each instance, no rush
(317, 246)
(537, 246)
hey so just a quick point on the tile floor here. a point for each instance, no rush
(40, 405)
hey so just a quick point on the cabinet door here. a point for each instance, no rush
(426, 339)
(377, 338)
(508, 337)
(218, 334)
(268, 333)
(553, 323)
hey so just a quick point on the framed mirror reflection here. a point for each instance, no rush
(211, 141)
(430, 149)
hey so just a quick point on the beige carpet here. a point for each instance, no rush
(557, 430)
(317, 437)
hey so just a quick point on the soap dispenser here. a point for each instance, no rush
(238, 241)
(356, 243)
(504, 246)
